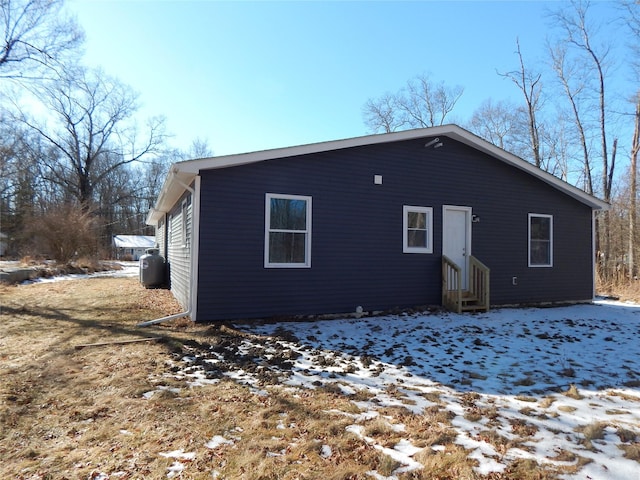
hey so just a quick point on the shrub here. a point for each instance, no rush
(65, 232)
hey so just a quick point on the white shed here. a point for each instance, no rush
(132, 245)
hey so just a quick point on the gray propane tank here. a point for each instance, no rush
(152, 268)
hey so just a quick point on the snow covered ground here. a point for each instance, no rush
(125, 269)
(560, 385)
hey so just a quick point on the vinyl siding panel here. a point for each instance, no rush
(179, 228)
(161, 237)
(356, 246)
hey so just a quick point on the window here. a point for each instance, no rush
(186, 221)
(287, 231)
(540, 240)
(417, 229)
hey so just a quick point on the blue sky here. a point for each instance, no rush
(253, 75)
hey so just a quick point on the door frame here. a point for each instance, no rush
(468, 211)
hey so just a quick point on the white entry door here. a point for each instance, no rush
(456, 237)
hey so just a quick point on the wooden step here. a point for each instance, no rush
(467, 297)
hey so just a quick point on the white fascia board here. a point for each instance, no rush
(195, 166)
(153, 217)
(454, 132)
(172, 190)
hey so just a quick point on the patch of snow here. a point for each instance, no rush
(181, 454)
(326, 451)
(406, 448)
(150, 394)
(377, 476)
(175, 468)
(218, 441)
(514, 362)
(276, 454)
(127, 269)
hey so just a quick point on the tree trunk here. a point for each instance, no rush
(635, 147)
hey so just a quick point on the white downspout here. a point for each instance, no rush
(164, 319)
(195, 234)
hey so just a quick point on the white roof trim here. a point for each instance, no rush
(185, 172)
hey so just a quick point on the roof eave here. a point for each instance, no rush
(182, 173)
(174, 186)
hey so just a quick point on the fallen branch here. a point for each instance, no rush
(118, 342)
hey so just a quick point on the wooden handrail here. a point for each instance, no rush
(451, 285)
(479, 282)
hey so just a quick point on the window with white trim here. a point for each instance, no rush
(417, 229)
(186, 230)
(287, 231)
(540, 240)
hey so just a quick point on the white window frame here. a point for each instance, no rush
(268, 230)
(186, 233)
(405, 229)
(540, 265)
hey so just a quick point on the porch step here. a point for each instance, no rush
(476, 297)
(471, 303)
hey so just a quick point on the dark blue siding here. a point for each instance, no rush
(357, 256)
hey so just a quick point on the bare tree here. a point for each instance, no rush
(200, 148)
(530, 85)
(578, 33)
(632, 21)
(578, 36)
(507, 125)
(421, 103)
(566, 75)
(633, 175)
(35, 34)
(91, 130)
(427, 104)
(381, 114)
(496, 122)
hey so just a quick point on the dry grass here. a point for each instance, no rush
(68, 413)
(75, 413)
(451, 464)
(573, 392)
(631, 451)
(622, 288)
(591, 432)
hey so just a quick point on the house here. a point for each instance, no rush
(400, 219)
(133, 246)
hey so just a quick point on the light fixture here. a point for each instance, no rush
(437, 145)
(432, 142)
